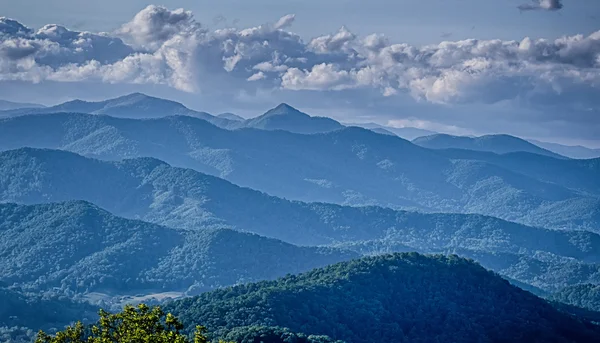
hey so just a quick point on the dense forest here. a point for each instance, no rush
(585, 296)
(22, 314)
(153, 191)
(75, 248)
(397, 297)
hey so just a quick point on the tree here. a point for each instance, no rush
(132, 325)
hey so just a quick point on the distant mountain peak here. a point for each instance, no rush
(284, 109)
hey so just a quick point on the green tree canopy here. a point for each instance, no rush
(141, 324)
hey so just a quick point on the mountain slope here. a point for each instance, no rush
(78, 247)
(285, 117)
(580, 175)
(351, 166)
(231, 116)
(391, 298)
(584, 296)
(408, 133)
(153, 191)
(135, 105)
(9, 105)
(572, 151)
(19, 310)
(499, 144)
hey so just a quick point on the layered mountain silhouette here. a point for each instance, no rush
(78, 248)
(231, 116)
(350, 166)
(499, 144)
(134, 106)
(572, 151)
(390, 298)
(153, 191)
(9, 105)
(408, 133)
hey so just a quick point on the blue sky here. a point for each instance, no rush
(411, 21)
(485, 79)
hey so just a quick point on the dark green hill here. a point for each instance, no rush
(390, 298)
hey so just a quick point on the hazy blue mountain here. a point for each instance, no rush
(582, 176)
(135, 106)
(9, 105)
(231, 116)
(390, 298)
(583, 295)
(572, 151)
(350, 166)
(285, 117)
(408, 133)
(79, 248)
(499, 144)
(153, 191)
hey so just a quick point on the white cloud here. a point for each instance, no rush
(284, 22)
(154, 25)
(162, 46)
(258, 76)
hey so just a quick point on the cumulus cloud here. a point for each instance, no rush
(155, 25)
(169, 47)
(546, 5)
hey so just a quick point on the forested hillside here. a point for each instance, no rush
(390, 298)
(350, 166)
(75, 248)
(583, 295)
(153, 191)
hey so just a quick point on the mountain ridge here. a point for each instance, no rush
(350, 166)
(151, 190)
(498, 143)
(442, 299)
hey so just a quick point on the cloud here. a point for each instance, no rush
(155, 25)
(169, 47)
(546, 5)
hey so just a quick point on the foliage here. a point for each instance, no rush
(264, 334)
(399, 298)
(76, 247)
(21, 314)
(34, 311)
(181, 198)
(584, 295)
(141, 324)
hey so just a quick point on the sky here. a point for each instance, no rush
(527, 68)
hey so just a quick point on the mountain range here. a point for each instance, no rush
(499, 144)
(141, 106)
(9, 105)
(140, 199)
(572, 151)
(408, 133)
(350, 166)
(153, 191)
